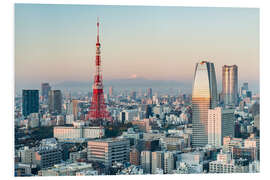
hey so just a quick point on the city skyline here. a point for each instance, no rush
(148, 122)
(147, 44)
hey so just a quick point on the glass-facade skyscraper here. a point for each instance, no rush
(45, 88)
(30, 102)
(204, 97)
(55, 101)
(230, 85)
(149, 93)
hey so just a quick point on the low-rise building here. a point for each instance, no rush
(65, 133)
(65, 169)
(108, 150)
(185, 168)
(80, 155)
(132, 170)
(48, 153)
(225, 164)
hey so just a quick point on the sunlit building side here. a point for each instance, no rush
(230, 85)
(204, 97)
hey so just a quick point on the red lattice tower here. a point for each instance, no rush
(98, 111)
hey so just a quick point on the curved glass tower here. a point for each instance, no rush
(204, 97)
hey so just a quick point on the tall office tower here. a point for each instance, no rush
(146, 161)
(98, 111)
(45, 88)
(245, 86)
(148, 111)
(75, 108)
(149, 93)
(244, 89)
(249, 94)
(220, 125)
(157, 161)
(111, 91)
(230, 85)
(204, 97)
(108, 151)
(30, 101)
(55, 101)
(168, 162)
(133, 95)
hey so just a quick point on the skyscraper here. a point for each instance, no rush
(149, 93)
(111, 91)
(245, 86)
(204, 97)
(244, 89)
(133, 95)
(45, 88)
(30, 101)
(75, 108)
(230, 85)
(220, 124)
(55, 101)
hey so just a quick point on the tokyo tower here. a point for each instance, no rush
(98, 113)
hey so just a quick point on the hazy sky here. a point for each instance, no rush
(57, 42)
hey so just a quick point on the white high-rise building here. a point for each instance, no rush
(168, 162)
(157, 161)
(220, 124)
(146, 161)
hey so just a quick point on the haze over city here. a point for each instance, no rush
(56, 43)
(121, 90)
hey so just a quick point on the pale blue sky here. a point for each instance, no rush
(57, 42)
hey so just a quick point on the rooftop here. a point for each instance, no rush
(69, 167)
(109, 140)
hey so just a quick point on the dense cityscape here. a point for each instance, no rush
(139, 131)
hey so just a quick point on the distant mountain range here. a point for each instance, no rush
(126, 84)
(129, 83)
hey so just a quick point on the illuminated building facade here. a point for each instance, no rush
(204, 97)
(230, 85)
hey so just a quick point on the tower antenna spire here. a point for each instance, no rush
(97, 29)
(98, 113)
